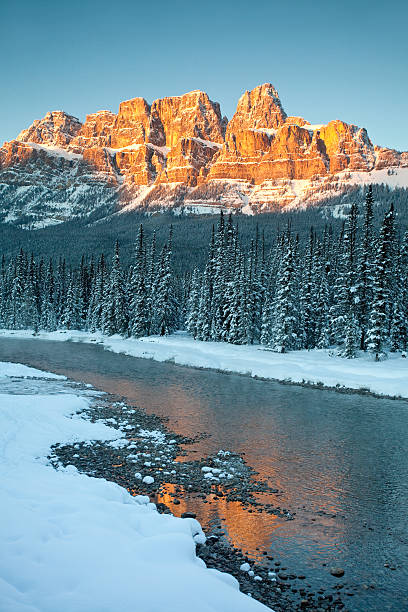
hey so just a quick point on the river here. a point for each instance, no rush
(339, 461)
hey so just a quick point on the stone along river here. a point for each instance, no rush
(338, 461)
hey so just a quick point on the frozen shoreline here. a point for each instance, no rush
(320, 368)
(61, 548)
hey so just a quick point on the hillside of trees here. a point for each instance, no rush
(342, 285)
(97, 234)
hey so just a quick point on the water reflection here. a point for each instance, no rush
(339, 461)
(244, 528)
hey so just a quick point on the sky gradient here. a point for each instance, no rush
(328, 60)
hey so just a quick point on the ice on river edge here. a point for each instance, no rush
(73, 542)
(317, 366)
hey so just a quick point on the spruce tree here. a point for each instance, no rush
(16, 311)
(365, 268)
(193, 304)
(138, 298)
(284, 331)
(219, 285)
(382, 288)
(114, 313)
(399, 310)
(164, 316)
(48, 314)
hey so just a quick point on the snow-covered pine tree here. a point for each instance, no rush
(31, 301)
(399, 311)
(193, 303)
(268, 309)
(118, 294)
(250, 302)
(204, 318)
(138, 305)
(229, 263)
(323, 309)
(246, 332)
(72, 313)
(7, 285)
(383, 288)
(16, 312)
(151, 275)
(205, 312)
(365, 268)
(84, 282)
(344, 306)
(114, 313)
(238, 322)
(219, 283)
(184, 287)
(322, 271)
(48, 315)
(97, 300)
(61, 286)
(307, 295)
(3, 293)
(351, 336)
(164, 316)
(260, 279)
(285, 327)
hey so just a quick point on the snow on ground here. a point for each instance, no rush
(7, 370)
(69, 542)
(389, 377)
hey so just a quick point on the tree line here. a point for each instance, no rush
(346, 288)
(137, 301)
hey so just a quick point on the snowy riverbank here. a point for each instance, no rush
(317, 367)
(72, 542)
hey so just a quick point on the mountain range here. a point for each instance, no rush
(180, 152)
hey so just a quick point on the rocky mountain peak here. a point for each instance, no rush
(192, 115)
(259, 108)
(131, 124)
(56, 128)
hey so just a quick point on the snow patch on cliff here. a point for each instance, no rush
(53, 150)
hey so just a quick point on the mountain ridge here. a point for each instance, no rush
(180, 152)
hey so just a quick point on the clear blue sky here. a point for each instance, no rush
(328, 60)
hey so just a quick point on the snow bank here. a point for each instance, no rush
(8, 370)
(69, 542)
(388, 377)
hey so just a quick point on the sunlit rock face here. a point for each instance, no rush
(95, 132)
(180, 151)
(386, 158)
(56, 129)
(132, 124)
(290, 152)
(257, 109)
(347, 147)
(193, 115)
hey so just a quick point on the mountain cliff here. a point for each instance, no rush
(181, 152)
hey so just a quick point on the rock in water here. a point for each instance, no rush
(338, 572)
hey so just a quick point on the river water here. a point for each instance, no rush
(339, 461)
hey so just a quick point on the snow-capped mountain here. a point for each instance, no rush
(180, 152)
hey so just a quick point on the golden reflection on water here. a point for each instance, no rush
(244, 529)
(253, 532)
(264, 443)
